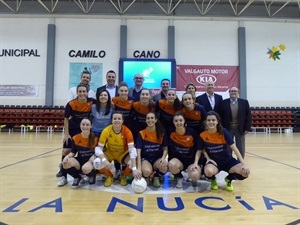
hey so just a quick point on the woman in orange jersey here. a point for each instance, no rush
(167, 108)
(81, 157)
(75, 111)
(152, 149)
(182, 149)
(116, 143)
(194, 114)
(140, 109)
(215, 140)
(123, 103)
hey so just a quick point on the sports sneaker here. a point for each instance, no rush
(229, 186)
(194, 183)
(148, 180)
(59, 173)
(62, 181)
(116, 174)
(108, 181)
(156, 182)
(76, 182)
(92, 179)
(123, 180)
(202, 177)
(214, 184)
(129, 179)
(179, 182)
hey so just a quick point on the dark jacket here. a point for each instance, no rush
(204, 101)
(244, 114)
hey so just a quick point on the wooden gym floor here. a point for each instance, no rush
(29, 195)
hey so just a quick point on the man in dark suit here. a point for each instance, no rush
(209, 100)
(110, 85)
(236, 117)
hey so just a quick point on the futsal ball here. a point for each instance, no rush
(139, 186)
(98, 164)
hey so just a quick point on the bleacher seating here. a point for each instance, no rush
(36, 118)
(269, 119)
(51, 118)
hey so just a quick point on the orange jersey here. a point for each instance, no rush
(139, 113)
(150, 137)
(166, 113)
(183, 145)
(76, 111)
(216, 145)
(122, 105)
(139, 109)
(150, 145)
(80, 147)
(195, 118)
(125, 107)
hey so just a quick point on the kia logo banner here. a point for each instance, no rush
(224, 77)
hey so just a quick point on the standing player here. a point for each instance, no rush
(123, 103)
(167, 108)
(101, 112)
(191, 88)
(139, 111)
(194, 114)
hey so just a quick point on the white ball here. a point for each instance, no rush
(139, 186)
(98, 164)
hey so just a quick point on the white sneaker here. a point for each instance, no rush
(62, 181)
(179, 182)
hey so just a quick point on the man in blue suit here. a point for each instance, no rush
(110, 85)
(236, 117)
(209, 100)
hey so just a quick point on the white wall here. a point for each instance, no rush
(23, 33)
(269, 83)
(147, 35)
(206, 42)
(84, 34)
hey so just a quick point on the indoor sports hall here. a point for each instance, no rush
(45, 45)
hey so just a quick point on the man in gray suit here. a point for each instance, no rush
(138, 87)
(236, 118)
(165, 86)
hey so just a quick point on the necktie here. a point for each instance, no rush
(211, 101)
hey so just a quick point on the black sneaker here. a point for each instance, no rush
(194, 183)
(76, 182)
(60, 173)
(92, 179)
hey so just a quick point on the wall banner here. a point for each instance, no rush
(76, 69)
(18, 90)
(224, 77)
